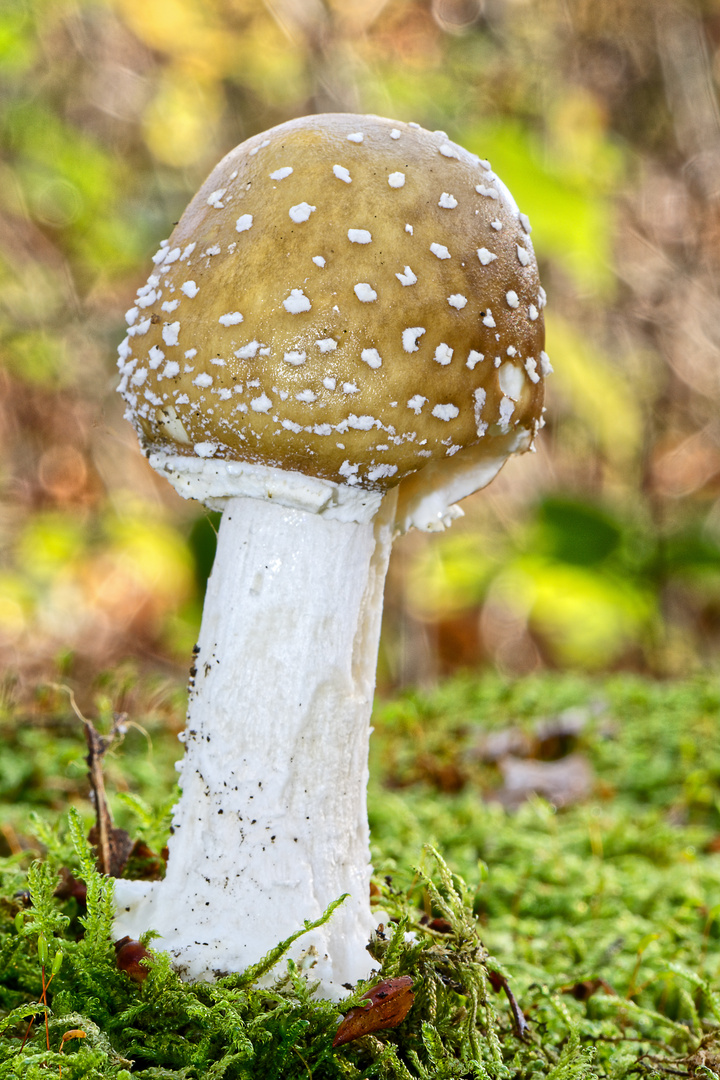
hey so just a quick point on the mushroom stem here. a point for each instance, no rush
(271, 825)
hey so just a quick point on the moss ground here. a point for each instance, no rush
(597, 905)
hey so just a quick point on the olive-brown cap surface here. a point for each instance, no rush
(348, 297)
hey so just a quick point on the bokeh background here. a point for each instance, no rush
(599, 552)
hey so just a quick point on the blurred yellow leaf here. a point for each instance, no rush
(154, 554)
(180, 28)
(571, 214)
(15, 605)
(180, 123)
(449, 576)
(598, 392)
(49, 543)
(587, 618)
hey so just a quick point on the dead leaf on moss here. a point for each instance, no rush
(390, 1002)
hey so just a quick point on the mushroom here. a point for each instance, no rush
(342, 337)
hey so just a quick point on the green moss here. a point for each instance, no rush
(602, 918)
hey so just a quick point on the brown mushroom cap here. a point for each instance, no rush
(348, 297)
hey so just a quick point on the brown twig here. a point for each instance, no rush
(112, 845)
(43, 1001)
(499, 981)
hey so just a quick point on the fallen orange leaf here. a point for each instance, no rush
(390, 1002)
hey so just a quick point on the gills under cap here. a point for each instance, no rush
(353, 309)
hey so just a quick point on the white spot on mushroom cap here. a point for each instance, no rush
(545, 365)
(371, 357)
(256, 149)
(445, 412)
(350, 388)
(205, 449)
(170, 333)
(306, 395)
(410, 338)
(525, 222)
(171, 369)
(407, 278)
(489, 192)
(169, 306)
(512, 299)
(140, 329)
(342, 174)
(232, 318)
(457, 300)
(533, 313)
(131, 315)
(318, 260)
(443, 353)
(327, 344)
(448, 150)
(296, 302)
(290, 425)
(248, 351)
(215, 198)
(243, 223)
(440, 251)
(496, 225)
(188, 250)
(280, 174)
(479, 401)
(488, 319)
(189, 288)
(511, 380)
(485, 256)
(474, 358)
(295, 357)
(531, 368)
(507, 408)
(447, 202)
(395, 133)
(359, 236)
(329, 383)
(409, 229)
(301, 212)
(542, 298)
(396, 179)
(377, 472)
(365, 292)
(203, 381)
(416, 403)
(148, 299)
(362, 423)
(190, 353)
(523, 255)
(261, 404)
(356, 137)
(155, 357)
(172, 256)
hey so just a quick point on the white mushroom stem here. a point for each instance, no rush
(271, 825)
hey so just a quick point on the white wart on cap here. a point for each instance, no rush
(352, 309)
